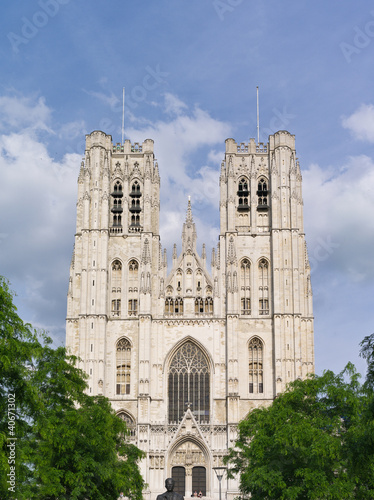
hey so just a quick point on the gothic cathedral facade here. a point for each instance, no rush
(184, 354)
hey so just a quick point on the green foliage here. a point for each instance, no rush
(69, 445)
(367, 352)
(314, 442)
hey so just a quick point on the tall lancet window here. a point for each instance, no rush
(130, 424)
(256, 384)
(116, 276)
(135, 207)
(262, 194)
(123, 363)
(189, 384)
(133, 284)
(245, 287)
(243, 195)
(263, 270)
(117, 209)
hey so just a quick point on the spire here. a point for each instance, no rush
(165, 259)
(189, 231)
(189, 219)
(222, 177)
(203, 255)
(213, 257)
(175, 256)
(156, 173)
(81, 173)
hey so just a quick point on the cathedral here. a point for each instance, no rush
(184, 353)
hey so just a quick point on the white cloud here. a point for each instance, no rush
(339, 208)
(177, 141)
(216, 156)
(37, 220)
(38, 196)
(73, 130)
(173, 105)
(110, 99)
(24, 113)
(361, 123)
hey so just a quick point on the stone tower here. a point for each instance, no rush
(184, 355)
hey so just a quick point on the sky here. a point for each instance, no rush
(190, 70)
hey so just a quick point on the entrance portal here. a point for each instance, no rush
(188, 469)
(199, 480)
(179, 476)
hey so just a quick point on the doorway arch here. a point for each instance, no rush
(189, 463)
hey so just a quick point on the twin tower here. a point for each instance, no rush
(185, 353)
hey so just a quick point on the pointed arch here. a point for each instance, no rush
(116, 203)
(243, 194)
(135, 205)
(123, 366)
(245, 286)
(117, 187)
(133, 286)
(255, 365)
(129, 420)
(263, 280)
(262, 193)
(116, 278)
(176, 346)
(135, 186)
(189, 383)
(179, 465)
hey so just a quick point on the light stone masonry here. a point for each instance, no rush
(184, 355)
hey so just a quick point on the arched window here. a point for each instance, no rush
(178, 306)
(209, 305)
(117, 220)
(123, 363)
(133, 280)
(116, 276)
(117, 208)
(130, 423)
(133, 270)
(135, 207)
(189, 384)
(262, 194)
(199, 305)
(245, 287)
(243, 195)
(256, 385)
(135, 188)
(169, 305)
(173, 306)
(263, 270)
(117, 189)
(116, 307)
(179, 275)
(203, 306)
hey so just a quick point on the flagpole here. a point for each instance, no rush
(258, 119)
(123, 114)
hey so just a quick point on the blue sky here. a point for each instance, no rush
(190, 70)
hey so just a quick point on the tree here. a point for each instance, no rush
(367, 352)
(305, 445)
(78, 454)
(68, 445)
